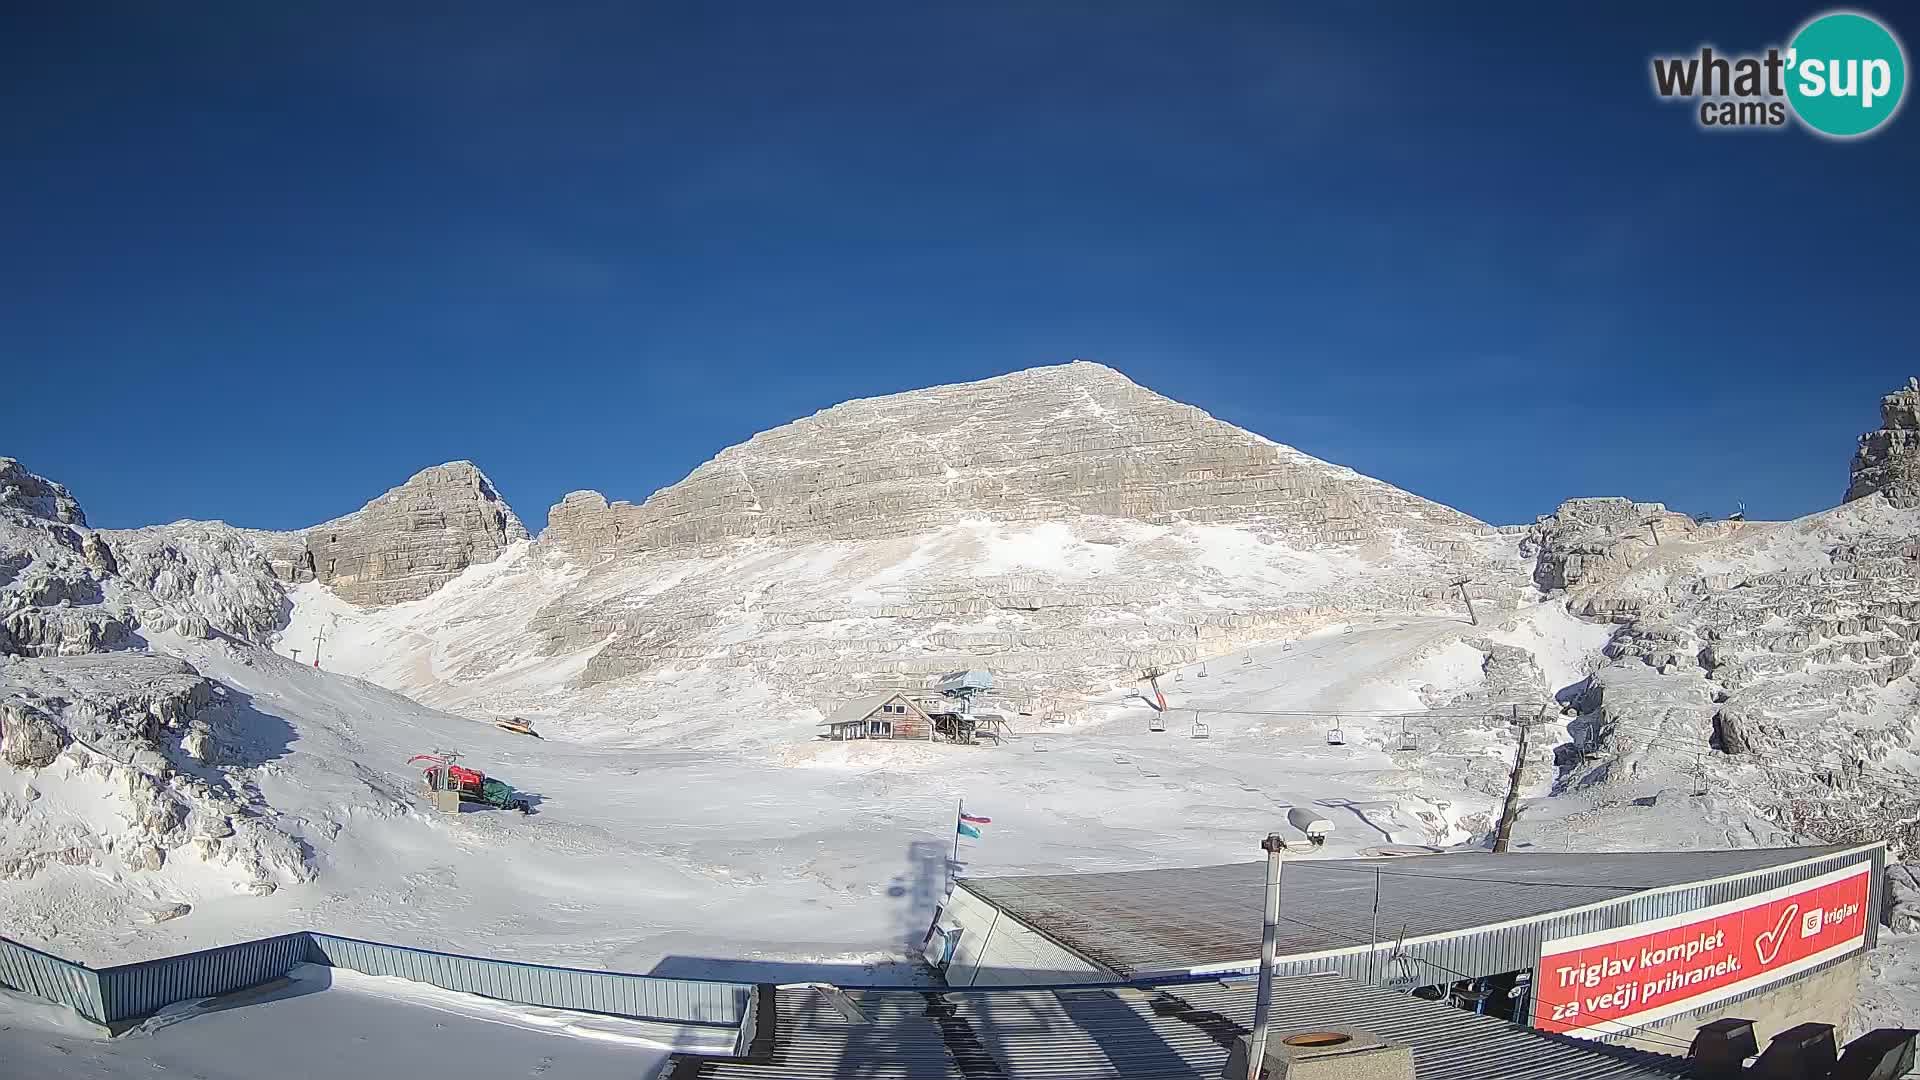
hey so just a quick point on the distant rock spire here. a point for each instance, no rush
(1888, 461)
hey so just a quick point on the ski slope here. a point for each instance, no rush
(757, 857)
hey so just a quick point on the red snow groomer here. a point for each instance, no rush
(445, 778)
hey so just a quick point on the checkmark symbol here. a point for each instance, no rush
(1767, 945)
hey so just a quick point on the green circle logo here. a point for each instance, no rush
(1846, 74)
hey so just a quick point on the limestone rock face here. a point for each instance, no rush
(36, 496)
(201, 575)
(29, 739)
(1044, 444)
(1061, 524)
(1776, 661)
(1590, 541)
(134, 719)
(405, 544)
(1888, 461)
(59, 594)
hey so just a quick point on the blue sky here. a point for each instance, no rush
(261, 262)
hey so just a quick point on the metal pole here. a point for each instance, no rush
(1373, 936)
(1269, 945)
(1511, 810)
(1472, 615)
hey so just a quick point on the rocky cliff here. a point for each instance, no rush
(1888, 461)
(1771, 659)
(87, 713)
(1062, 525)
(1044, 444)
(404, 544)
(59, 591)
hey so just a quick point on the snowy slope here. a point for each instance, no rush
(807, 851)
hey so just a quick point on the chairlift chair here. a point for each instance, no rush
(1406, 738)
(1201, 730)
(1203, 671)
(1336, 736)
(1157, 722)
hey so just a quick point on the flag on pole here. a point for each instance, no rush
(968, 825)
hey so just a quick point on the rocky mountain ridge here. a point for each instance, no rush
(1062, 524)
(1770, 663)
(405, 544)
(1044, 444)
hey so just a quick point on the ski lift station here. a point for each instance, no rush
(951, 715)
(1634, 948)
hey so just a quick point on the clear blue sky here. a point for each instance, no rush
(263, 261)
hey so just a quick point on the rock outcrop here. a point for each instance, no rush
(1044, 444)
(1774, 660)
(197, 576)
(405, 544)
(1888, 460)
(1591, 541)
(59, 594)
(116, 727)
(36, 496)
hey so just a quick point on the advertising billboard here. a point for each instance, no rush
(1607, 981)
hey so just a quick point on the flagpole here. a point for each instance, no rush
(959, 812)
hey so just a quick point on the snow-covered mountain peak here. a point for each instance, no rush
(1043, 444)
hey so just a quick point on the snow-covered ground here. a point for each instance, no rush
(688, 820)
(779, 851)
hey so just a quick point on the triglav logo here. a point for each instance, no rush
(1843, 75)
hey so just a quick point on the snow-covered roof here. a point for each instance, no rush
(860, 708)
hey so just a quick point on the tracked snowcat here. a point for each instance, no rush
(450, 784)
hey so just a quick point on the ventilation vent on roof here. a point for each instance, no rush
(1344, 1054)
(1805, 1050)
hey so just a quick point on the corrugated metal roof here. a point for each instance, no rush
(1172, 1031)
(1144, 921)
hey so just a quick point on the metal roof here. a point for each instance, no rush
(1137, 1034)
(860, 708)
(1142, 922)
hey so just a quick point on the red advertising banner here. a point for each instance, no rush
(1600, 983)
